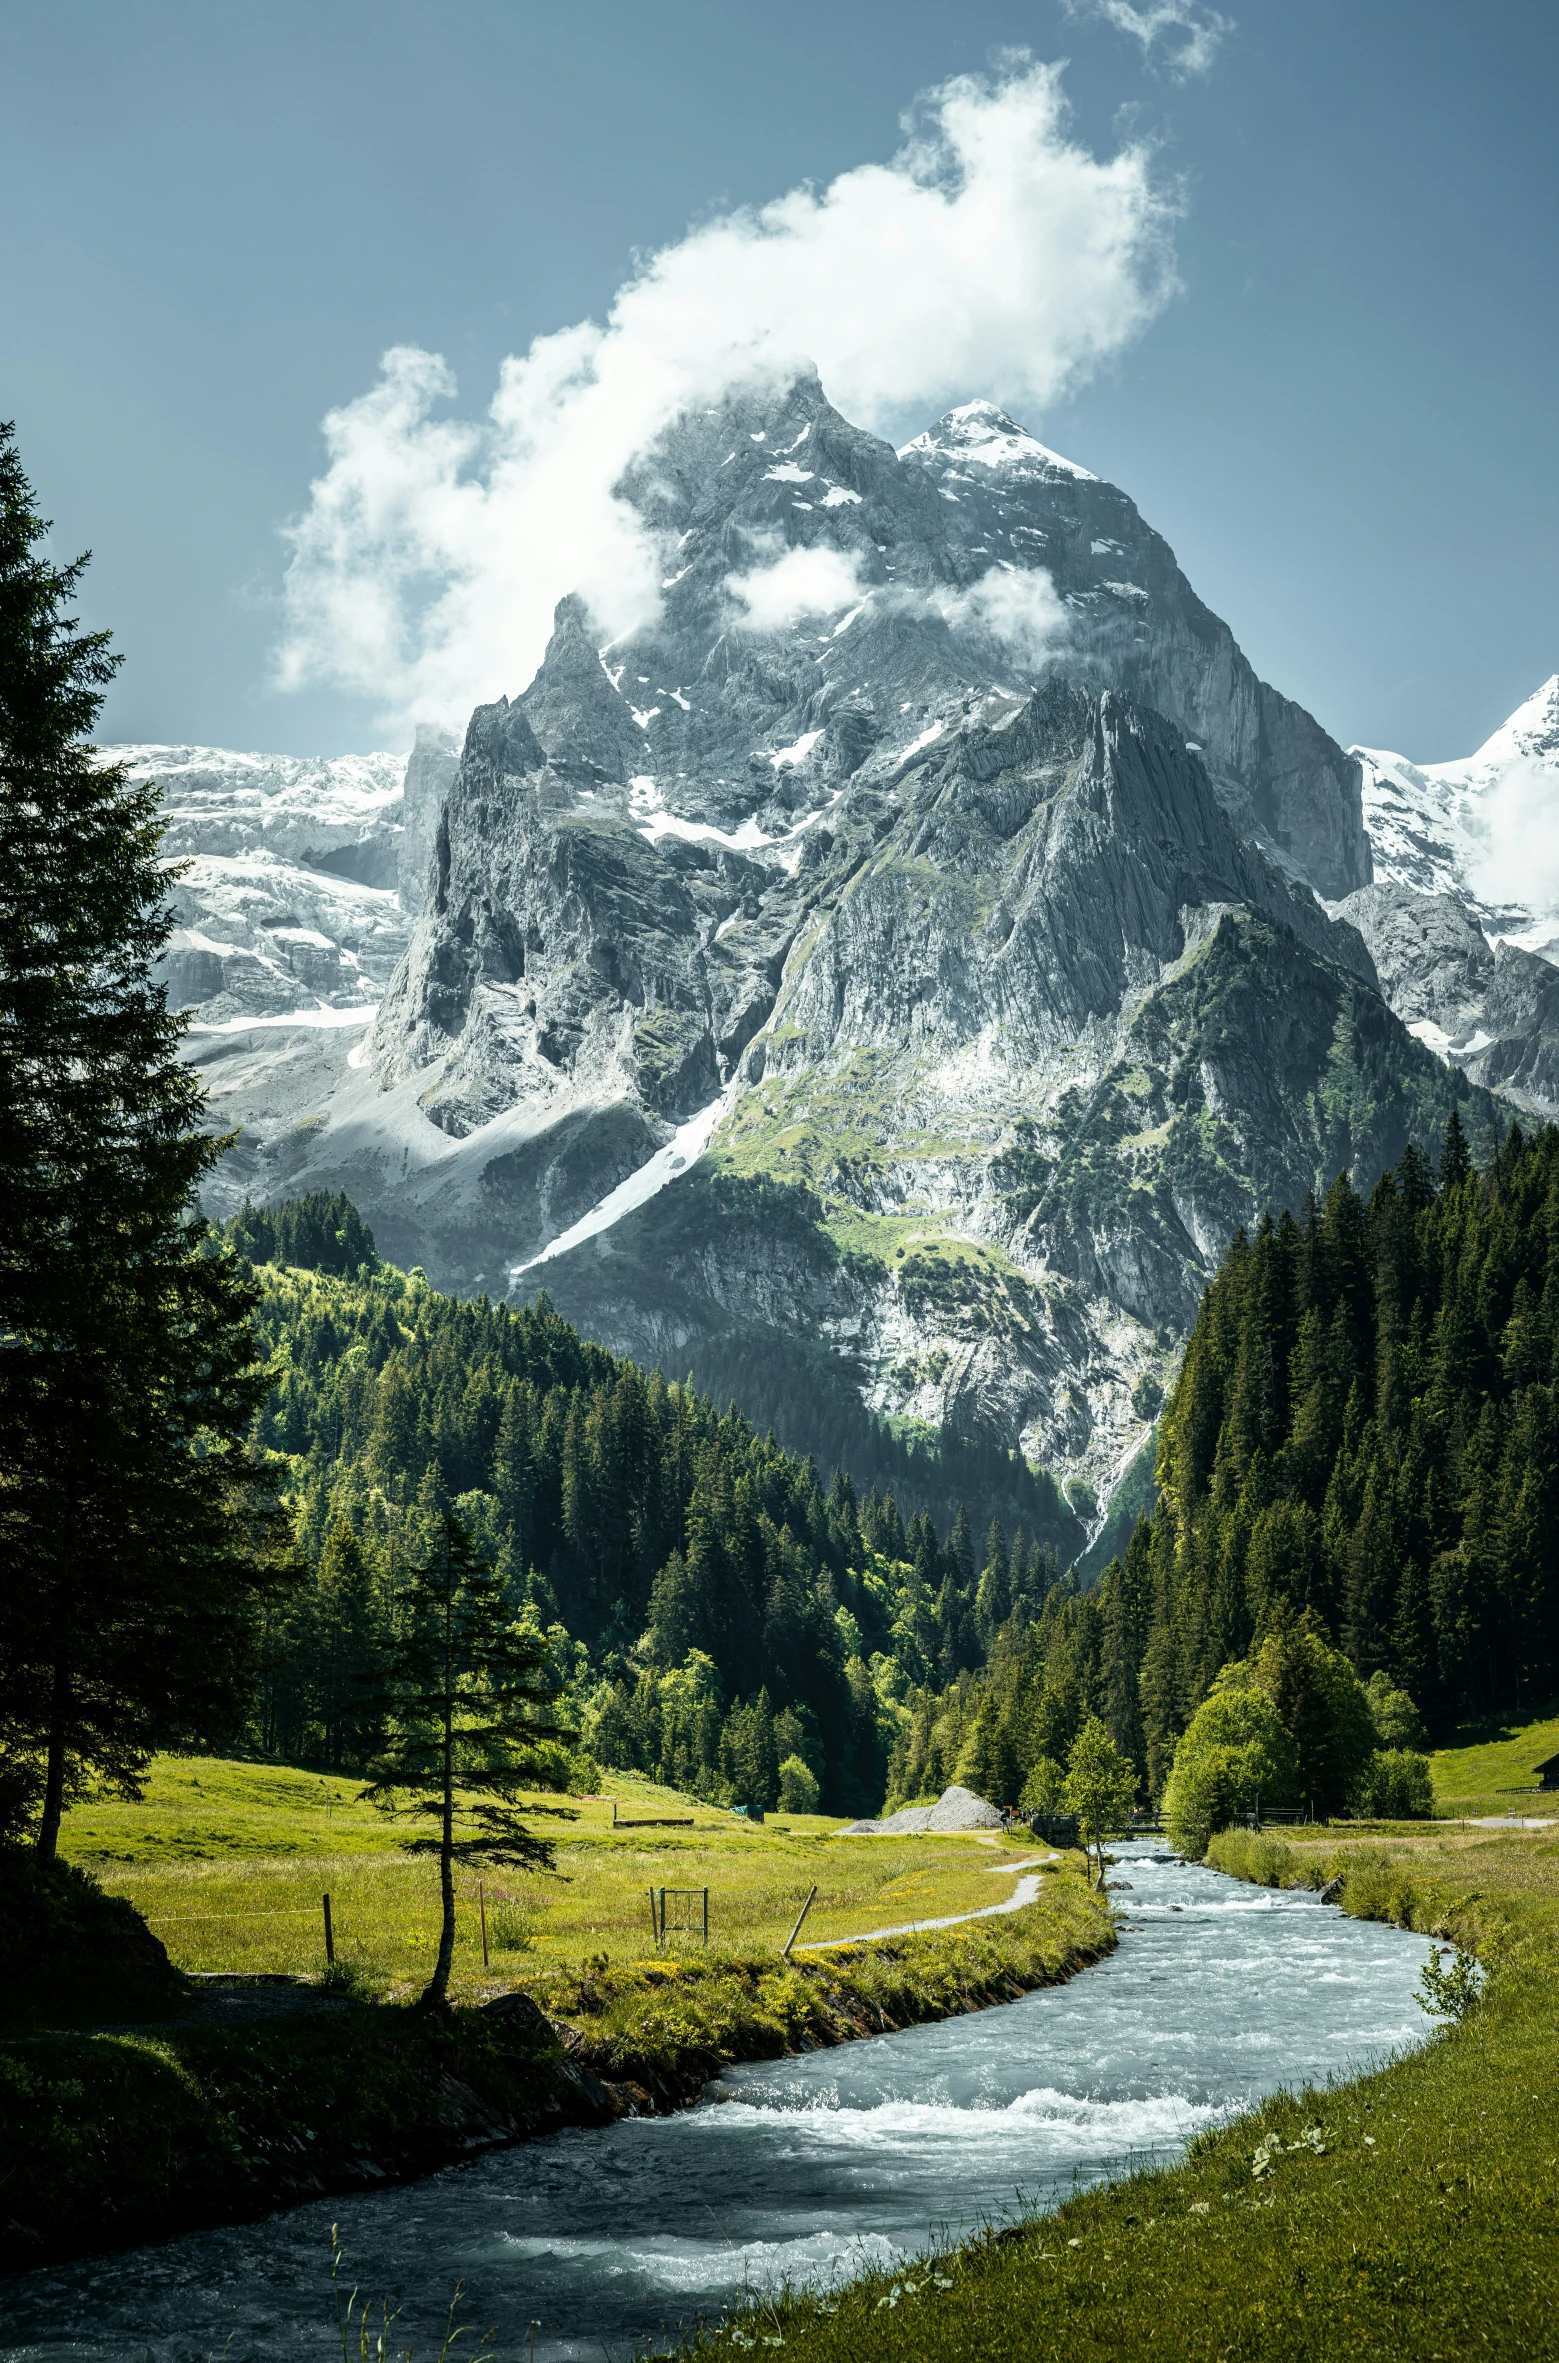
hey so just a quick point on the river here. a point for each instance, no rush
(808, 2169)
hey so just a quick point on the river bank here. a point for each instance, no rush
(116, 2137)
(1408, 2211)
(813, 2167)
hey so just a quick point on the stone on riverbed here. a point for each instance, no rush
(955, 1809)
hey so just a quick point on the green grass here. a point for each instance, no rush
(1494, 1768)
(1416, 2223)
(673, 2022)
(228, 1862)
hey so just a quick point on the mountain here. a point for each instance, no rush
(1462, 918)
(296, 880)
(887, 979)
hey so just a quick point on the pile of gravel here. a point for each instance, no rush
(955, 1809)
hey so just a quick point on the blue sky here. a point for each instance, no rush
(214, 220)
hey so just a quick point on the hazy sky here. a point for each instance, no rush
(214, 220)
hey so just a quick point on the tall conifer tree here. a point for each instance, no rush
(129, 1562)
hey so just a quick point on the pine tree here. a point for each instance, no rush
(346, 1656)
(134, 1552)
(466, 1703)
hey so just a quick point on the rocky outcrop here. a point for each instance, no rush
(430, 774)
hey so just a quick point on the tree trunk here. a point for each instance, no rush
(438, 1984)
(54, 1777)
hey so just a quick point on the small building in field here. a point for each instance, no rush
(1548, 1773)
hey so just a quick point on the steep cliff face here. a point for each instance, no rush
(1135, 621)
(1048, 1033)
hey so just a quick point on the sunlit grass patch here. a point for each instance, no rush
(229, 1863)
(1494, 1770)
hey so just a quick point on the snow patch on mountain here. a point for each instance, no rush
(1462, 920)
(1484, 828)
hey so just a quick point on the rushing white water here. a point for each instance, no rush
(808, 2170)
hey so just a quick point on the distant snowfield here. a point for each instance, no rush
(201, 784)
(686, 1145)
(361, 1014)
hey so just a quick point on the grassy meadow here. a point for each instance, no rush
(1493, 1769)
(1408, 2214)
(228, 1862)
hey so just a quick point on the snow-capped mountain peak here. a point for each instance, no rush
(1530, 735)
(1484, 828)
(979, 434)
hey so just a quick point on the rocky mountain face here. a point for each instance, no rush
(1463, 915)
(889, 976)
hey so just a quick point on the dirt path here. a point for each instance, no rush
(1024, 1893)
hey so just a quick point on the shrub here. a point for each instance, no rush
(511, 1926)
(798, 1789)
(69, 1953)
(1234, 1748)
(1395, 1787)
(1250, 1854)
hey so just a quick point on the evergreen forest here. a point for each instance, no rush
(1358, 1466)
(715, 1615)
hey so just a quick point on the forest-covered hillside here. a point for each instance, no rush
(1364, 1434)
(715, 1612)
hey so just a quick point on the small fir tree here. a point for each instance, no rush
(466, 1704)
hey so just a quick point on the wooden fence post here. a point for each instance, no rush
(330, 1936)
(706, 1919)
(796, 1931)
(481, 1905)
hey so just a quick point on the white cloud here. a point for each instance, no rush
(993, 254)
(803, 582)
(1520, 857)
(1191, 33)
(1020, 607)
